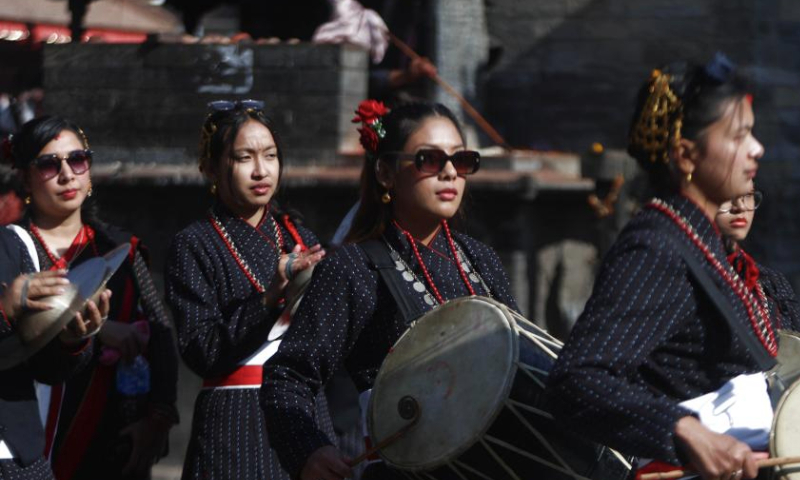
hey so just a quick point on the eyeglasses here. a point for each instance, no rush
(227, 105)
(745, 203)
(466, 162)
(50, 165)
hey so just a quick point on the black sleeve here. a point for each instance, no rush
(212, 342)
(639, 296)
(340, 300)
(779, 290)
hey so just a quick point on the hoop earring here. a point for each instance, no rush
(386, 198)
(689, 177)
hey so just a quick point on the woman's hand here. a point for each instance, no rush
(86, 325)
(125, 338)
(326, 463)
(289, 266)
(715, 456)
(26, 291)
(148, 441)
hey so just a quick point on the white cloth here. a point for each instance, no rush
(352, 23)
(741, 409)
(5, 452)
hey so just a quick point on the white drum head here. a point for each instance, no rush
(784, 439)
(458, 362)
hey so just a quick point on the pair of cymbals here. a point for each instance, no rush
(35, 329)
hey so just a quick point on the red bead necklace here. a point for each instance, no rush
(84, 237)
(413, 242)
(756, 311)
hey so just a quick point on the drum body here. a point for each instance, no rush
(784, 438)
(477, 372)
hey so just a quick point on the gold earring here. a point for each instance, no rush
(386, 198)
(689, 177)
(213, 189)
(89, 193)
(27, 200)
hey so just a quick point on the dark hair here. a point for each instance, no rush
(36, 133)
(400, 123)
(219, 133)
(703, 93)
(33, 137)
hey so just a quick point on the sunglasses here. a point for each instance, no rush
(466, 162)
(227, 105)
(50, 165)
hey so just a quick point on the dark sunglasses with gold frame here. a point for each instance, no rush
(433, 161)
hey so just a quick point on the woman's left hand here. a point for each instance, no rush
(88, 323)
(148, 441)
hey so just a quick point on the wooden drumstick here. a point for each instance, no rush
(482, 122)
(767, 462)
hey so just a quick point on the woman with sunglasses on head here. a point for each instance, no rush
(227, 276)
(94, 428)
(412, 185)
(735, 219)
(652, 346)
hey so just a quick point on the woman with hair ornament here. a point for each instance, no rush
(651, 350)
(412, 185)
(227, 277)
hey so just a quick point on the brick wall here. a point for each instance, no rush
(569, 71)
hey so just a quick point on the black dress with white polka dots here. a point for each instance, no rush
(649, 337)
(221, 321)
(348, 317)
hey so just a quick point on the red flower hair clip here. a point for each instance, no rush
(369, 114)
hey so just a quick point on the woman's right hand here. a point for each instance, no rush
(326, 463)
(716, 456)
(35, 286)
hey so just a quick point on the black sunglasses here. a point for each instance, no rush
(227, 105)
(50, 165)
(466, 162)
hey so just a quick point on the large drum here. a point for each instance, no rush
(470, 376)
(784, 438)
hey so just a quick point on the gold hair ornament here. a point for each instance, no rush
(661, 119)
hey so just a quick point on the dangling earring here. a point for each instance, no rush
(386, 198)
(689, 177)
(89, 193)
(213, 189)
(27, 200)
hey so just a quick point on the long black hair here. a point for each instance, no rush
(399, 124)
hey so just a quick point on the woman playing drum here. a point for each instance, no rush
(226, 278)
(650, 338)
(412, 184)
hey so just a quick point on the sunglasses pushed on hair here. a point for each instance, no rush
(49, 166)
(466, 162)
(227, 105)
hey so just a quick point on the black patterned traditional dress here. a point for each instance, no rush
(649, 338)
(87, 413)
(216, 269)
(22, 439)
(348, 317)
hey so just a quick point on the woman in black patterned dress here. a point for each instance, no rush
(226, 277)
(650, 342)
(93, 429)
(412, 184)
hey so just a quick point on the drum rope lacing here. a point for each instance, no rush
(757, 311)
